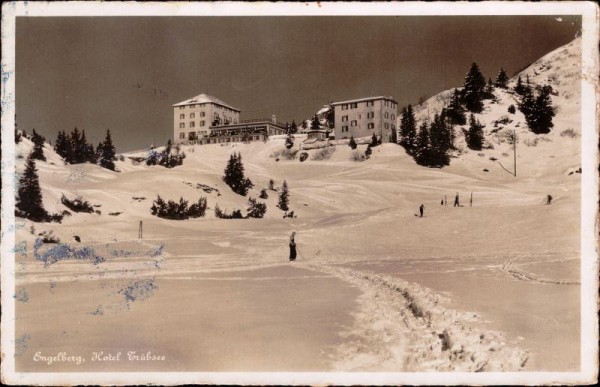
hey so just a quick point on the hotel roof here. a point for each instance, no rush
(205, 98)
(363, 100)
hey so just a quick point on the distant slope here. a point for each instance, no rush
(560, 69)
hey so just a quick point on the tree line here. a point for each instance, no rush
(431, 142)
(75, 149)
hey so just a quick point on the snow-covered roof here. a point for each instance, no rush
(205, 98)
(363, 100)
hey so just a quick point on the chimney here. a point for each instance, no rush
(274, 118)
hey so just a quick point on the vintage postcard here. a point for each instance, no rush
(299, 193)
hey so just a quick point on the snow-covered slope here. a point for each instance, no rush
(537, 155)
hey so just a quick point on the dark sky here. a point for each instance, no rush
(124, 73)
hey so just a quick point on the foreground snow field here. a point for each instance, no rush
(488, 287)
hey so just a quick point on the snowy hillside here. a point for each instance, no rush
(462, 288)
(539, 155)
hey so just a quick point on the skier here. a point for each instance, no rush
(456, 201)
(549, 199)
(421, 209)
(292, 247)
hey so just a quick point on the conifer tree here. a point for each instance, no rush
(108, 153)
(475, 134)
(29, 200)
(352, 143)
(234, 175)
(519, 87)
(374, 140)
(368, 152)
(542, 112)
(439, 141)
(502, 79)
(456, 112)
(38, 146)
(294, 127)
(422, 147)
(76, 146)
(284, 197)
(314, 124)
(473, 91)
(289, 142)
(408, 129)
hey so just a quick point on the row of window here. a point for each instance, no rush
(192, 124)
(192, 115)
(370, 125)
(354, 105)
(371, 115)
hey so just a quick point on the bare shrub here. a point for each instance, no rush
(570, 132)
(323, 153)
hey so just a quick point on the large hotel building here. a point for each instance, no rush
(365, 116)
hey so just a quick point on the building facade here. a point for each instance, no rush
(193, 118)
(365, 116)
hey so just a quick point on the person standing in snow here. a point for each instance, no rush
(421, 209)
(456, 201)
(292, 247)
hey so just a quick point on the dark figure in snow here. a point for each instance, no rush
(549, 199)
(292, 247)
(421, 209)
(456, 200)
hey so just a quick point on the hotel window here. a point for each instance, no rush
(344, 118)
(393, 116)
(371, 115)
(202, 123)
(369, 103)
(181, 107)
(202, 114)
(345, 107)
(386, 115)
(181, 125)
(386, 125)
(182, 135)
(344, 128)
(181, 116)
(370, 125)
(192, 115)
(353, 123)
(192, 124)
(353, 105)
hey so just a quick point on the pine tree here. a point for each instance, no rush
(76, 146)
(374, 140)
(294, 127)
(368, 151)
(473, 91)
(234, 175)
(314, 124)
(352, 143)
(284, 197)
(408, 129)
(439, 141)
(502, 79)
(108, 153)
(519, 87)
(422, 152)
(456, 112)
(542, 112)
(38, 146)
(527, 106)
(475, 134)
(29, 200)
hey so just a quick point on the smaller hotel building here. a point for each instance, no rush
(205, 119)
(365, 116)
